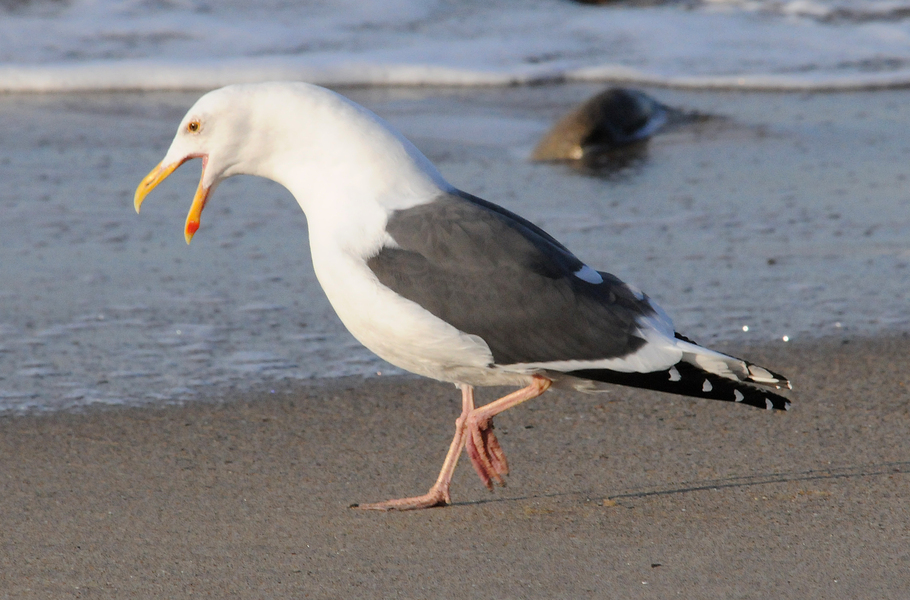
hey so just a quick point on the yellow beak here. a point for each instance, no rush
(159, 174)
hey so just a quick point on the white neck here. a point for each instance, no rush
(346, 168)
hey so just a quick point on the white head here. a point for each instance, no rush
(327, 150)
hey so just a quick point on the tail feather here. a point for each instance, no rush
(687, 379)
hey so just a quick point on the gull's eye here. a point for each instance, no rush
(193, 126)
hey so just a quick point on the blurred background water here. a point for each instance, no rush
(784, 216)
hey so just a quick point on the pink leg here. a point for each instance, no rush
(439, 493)
(482, 446)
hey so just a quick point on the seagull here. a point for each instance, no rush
(439, 282)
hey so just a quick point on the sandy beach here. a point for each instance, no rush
(628, 494)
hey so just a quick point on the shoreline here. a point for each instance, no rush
(246, 495)
(227, 392)
(753, 219)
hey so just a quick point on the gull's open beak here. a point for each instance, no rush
(159, 174)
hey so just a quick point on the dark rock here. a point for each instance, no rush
(614, 118)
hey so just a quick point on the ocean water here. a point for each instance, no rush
(784, 216)
(66, 45)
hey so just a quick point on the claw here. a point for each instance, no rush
(495, 452)
(477, 460)
(486, 453)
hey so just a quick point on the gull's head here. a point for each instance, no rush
(318, 144)
(212, 131)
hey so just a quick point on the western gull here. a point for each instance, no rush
(439, 282)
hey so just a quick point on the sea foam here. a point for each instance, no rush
(759, 44)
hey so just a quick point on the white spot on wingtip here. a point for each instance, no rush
(586, 273)
(674, 374)
(787, 406)
(707, 387)
(768, 404)
(738, 396)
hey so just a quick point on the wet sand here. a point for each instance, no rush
(629, 494)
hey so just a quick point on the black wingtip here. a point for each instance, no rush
(688, 380)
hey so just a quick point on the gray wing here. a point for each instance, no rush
(491, 273)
